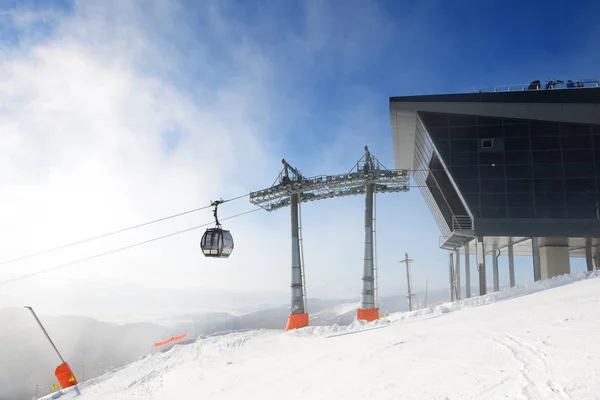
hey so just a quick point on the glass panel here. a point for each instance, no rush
(550, 213)
(464, 159)
(443, 146)
(519, 171)
(548, 171)
(519, 200)
(517, 157)
(488, 172)
(580, 185)
(462, 120)
(575, 129)
(578, 200)
(487, 212)
(577, 142)
(578, 156)
(463, 132)
(464, 172)
(582, 213)
(546, 157)
(489, 131)
(493, 186)
(433, 119)
(550, 199)
(542, 128)
(490, 159)
(516, 130)
(519, 186)
(472, 199)
(517, 144)
(580, 170)
(545, 143)
(493, 200)
(438, 133)
(489, 121)
(463, 145)
(522, 212)
(548, 185)
(468, 185)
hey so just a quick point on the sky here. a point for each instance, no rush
(115, 113)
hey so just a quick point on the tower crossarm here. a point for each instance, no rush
(330, 186)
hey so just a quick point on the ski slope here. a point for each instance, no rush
(523, 343)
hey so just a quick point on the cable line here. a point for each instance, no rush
(120, 249)
(112, 233)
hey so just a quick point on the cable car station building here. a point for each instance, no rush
(511, 172)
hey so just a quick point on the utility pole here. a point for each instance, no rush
(426, 285)
(407, 261)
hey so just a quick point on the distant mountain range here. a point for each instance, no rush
(94, 347)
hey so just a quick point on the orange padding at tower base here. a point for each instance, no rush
(66, 377)
(297, 321)
(367, 315)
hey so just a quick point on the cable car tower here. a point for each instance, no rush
(368, 176)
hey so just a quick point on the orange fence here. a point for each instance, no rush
(173, 339)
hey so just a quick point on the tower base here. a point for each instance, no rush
(297, 321)
(367, 315)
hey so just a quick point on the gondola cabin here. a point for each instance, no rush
(216, 242)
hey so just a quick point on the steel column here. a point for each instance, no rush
(511, 265)
(457, 269)
(589, 258)
(368, 287)
(467, 271)
(297, 290)
(495, 270)
(481, 266)
(451, 274)
(535, 249)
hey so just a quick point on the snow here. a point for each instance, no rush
(522, 343)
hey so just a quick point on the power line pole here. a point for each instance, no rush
(410, 296)
(426, 285)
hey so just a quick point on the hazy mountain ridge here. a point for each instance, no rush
(93, 347)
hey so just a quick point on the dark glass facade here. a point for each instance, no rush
(515, 168)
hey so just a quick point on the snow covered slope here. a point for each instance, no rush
(543, 345)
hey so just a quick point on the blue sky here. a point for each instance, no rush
(242, 84)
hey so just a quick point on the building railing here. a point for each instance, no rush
(462, 222)
(547, 85)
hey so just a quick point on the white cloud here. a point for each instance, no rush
(84, 121)
(126, 113)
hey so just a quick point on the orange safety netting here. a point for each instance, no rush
(173, 339)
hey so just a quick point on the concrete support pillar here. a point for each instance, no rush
(481, 266)
(467, 271)
(535, 250)
(554, 261)
(511, 265)
(589, 258)
(457, 274)
(495, 256)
